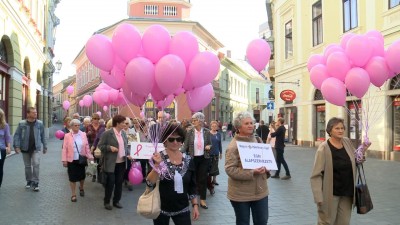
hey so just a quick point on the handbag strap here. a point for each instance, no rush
(360, 169)
(77, 149)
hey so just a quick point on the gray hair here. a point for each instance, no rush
(237, 120)
(199, 116)
(333, 122)
(74, 121)
(87, 119)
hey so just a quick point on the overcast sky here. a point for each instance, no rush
(233, 22)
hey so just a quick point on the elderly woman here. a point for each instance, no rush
(180, 170)
(334, 173)
(85, 123)
(114, 149)
(75, 144)
(197, 145)
(247, 188)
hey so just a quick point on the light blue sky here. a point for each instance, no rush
(233, 22)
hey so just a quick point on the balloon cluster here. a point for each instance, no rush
(353, 64)
(153, 65)
(66, 104)
(59, 134)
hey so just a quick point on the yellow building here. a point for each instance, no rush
(303, 28)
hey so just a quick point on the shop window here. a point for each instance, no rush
(288, 40)
(320, 136)
(355, 123)
(393, 3)
(395, 84)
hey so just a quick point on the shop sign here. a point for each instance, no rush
(320, 108)
(288, 95)
(396, 102)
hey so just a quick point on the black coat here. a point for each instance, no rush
(262, 132)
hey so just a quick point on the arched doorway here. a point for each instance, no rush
(319, 119)
(395, 99)
(5, 49)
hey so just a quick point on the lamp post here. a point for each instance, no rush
(58, 66)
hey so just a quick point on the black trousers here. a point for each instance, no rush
(3, 158)
(180, 219)
(202, 166)
(114, 183)
(280, 160)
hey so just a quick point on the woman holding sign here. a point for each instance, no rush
(247, 188)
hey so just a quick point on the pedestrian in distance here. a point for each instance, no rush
(5, 145)
(198, 145)
(230, 129)
(279, 134)
(215, 155)
(177, 184)
(66, 129)
(247, 188)
(334, 173)
(262, 131)
(224, 129)
(75, 144)
(114, 149)
(29, 139)
(271, 140)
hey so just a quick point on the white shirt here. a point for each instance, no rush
(78, 140)
(198, 150)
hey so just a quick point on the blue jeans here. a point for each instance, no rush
(259, 211)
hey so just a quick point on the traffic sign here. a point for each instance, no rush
(270, 105)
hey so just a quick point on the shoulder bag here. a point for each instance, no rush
(363, 198)
(149, 204)
(82, 158)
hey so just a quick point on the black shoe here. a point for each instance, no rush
(204, 206)
(275, 176)
(35, 186)
(28, 185)
(108, 206)
(215, 183)
(94, 178)
(117, 205)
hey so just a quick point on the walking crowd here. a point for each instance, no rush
(188, 165)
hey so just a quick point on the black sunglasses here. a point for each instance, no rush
(178, 139)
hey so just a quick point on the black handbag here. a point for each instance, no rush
(82, 159)
(363, 198)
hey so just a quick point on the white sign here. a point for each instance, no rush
(144, 150)
(256, 155)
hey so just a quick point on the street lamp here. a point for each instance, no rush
(58, 65)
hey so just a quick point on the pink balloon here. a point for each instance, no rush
(204, 68)
(187, 83)
(359, 50)
(200, 97)
(103, 95)
(170, 73)
(258, 54)
(334, 91)
(184, 44)
(81, 104)
(392, 57)
(135, 176)
(142, 115)
(156, 93)
(357, 82)
(87, 100)
(98, 113)
(391, 74)
(345, 39)
(113, 95)
(105, 108)
(179, 91)
(377, 48)
(332, 49)
(121, 101)
(338, 65)
(165, 103)
(378, 70)
(315, 60)
(97, 97)
(318, 74)
(59, 134)
(121, 64)
(114, 79)
(70, 90)
(100, 52)
(126, 41)
(140, 75)
(66, 105)
(376, 34)
(155, 42)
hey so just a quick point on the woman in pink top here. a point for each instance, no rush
(75, 144)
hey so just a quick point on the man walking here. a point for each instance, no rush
(28, 139)
(279, 134)
(263, 131)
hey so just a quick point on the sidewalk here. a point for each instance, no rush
(290, 202)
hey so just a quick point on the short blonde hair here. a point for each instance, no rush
(109, 124)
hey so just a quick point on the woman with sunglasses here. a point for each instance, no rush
(177, 181)
(91, 132)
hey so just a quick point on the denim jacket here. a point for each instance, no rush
(21, 136)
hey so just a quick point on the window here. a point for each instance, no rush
(150, 10)
(317, 23)
(288, 40)
(393, 3)
(170, 11)
(257, 96)
(349, 15)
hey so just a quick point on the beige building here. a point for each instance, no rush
(26, 50)
(303, 28)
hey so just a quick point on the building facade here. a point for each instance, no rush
(301, 30)
(26, 51)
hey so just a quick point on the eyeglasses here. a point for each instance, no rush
(178, 139)
(95, 118)
(126, 123)
(76, 125)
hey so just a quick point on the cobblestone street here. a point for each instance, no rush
(290, 202)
